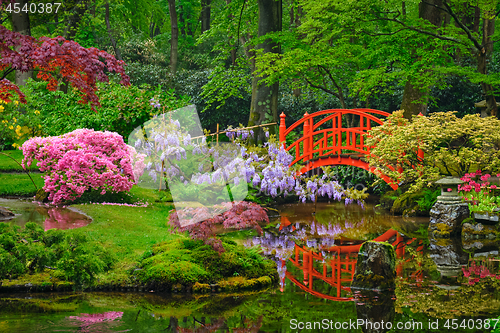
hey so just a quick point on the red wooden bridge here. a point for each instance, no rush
(338, 271)
(324, 141)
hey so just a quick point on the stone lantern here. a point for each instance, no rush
(449, 211)
(449, 190)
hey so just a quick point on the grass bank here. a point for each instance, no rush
(126, 246)
(13, 178)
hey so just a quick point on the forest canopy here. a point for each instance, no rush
(247, 61)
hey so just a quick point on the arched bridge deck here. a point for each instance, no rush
(325, 141)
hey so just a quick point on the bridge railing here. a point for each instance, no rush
(336, 140)
(339, 271)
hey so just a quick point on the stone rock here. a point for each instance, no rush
(406, 205)
(5, 213)
(446, 219)
(447, 254)
(41, 196)
(387, 199)
(479, 231)
(376, 267)
(373, 308)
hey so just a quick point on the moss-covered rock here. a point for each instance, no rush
(192, 263)
(479, 231)
(376, 266)
(446, 219)
(387, 199)
(201, 288)
(241, 283)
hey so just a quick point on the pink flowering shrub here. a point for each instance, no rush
(82, 160)
(476, 272)
(479, 193)
(238, 216)
(473, 183)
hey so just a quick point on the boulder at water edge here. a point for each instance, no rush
(5, 213)
(41, 196)
(376, 266)
(446, 219)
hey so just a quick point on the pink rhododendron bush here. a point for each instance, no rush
(82, 160)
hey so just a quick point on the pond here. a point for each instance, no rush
(47, 217)
(443, 285)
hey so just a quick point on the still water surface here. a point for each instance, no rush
(48, 217)
(443, 285)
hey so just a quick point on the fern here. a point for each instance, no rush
(428, 200)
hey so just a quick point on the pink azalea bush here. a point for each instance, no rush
(82, 160)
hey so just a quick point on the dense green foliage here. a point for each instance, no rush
(332, 54)
(122, 109)
(31, 250)
(451, 146)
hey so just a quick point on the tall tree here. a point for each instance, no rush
(75, 10)
(459, 37)
(415, 98)
(205, 15)
(264, 106)
(111, 38)
(21, 24)
(174, 37)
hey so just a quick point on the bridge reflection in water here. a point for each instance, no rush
(336, 266)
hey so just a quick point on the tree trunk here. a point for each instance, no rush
(21, 24)
(264, 105)
(174, 41)
(295, 23)
(78, 8)
(482, 58)
(410, 95)
(108, 26)
(182, 21)
(414, 97)
(233, 45)
(205, 15)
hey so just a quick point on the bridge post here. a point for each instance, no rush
(306, 138)
(282, 129)
(420, 152)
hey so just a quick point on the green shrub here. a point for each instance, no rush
(31, 249)
(187, 261)
(428, 199)
(10, 266)
(122, 108)
(452, 146)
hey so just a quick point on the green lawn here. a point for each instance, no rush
(127, 232)
(144, 250)
(19, 184)
(7, 164)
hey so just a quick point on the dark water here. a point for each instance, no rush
(46, 216)
(442, 286)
